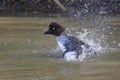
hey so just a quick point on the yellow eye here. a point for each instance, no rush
(53, 28)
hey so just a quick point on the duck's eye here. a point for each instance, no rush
(53, 28)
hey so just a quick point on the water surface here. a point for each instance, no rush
(26, 54)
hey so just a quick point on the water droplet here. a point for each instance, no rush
(110, 32)
(77, 32)
(54, 21)
(69, 32)
(103, 29)
(119, 44)
(114, 42)
(114, 29)
(72, 28)
(75, 15)
(5, 43)
(108, 27)
(29, 40)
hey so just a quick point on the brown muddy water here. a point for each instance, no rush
(26, 54)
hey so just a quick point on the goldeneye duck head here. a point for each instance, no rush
(55, 29)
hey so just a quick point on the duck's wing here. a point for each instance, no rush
(76, 41)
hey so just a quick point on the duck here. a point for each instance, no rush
(71, 46)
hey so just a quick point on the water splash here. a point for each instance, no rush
(98, 32)
(83, 36)
(96, 45)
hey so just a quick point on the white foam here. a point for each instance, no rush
(93, 41)
(95, 45)
(119, 44)
(70, 56)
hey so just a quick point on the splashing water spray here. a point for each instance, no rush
(96, 36)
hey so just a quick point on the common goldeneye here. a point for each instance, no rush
(71, 47)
